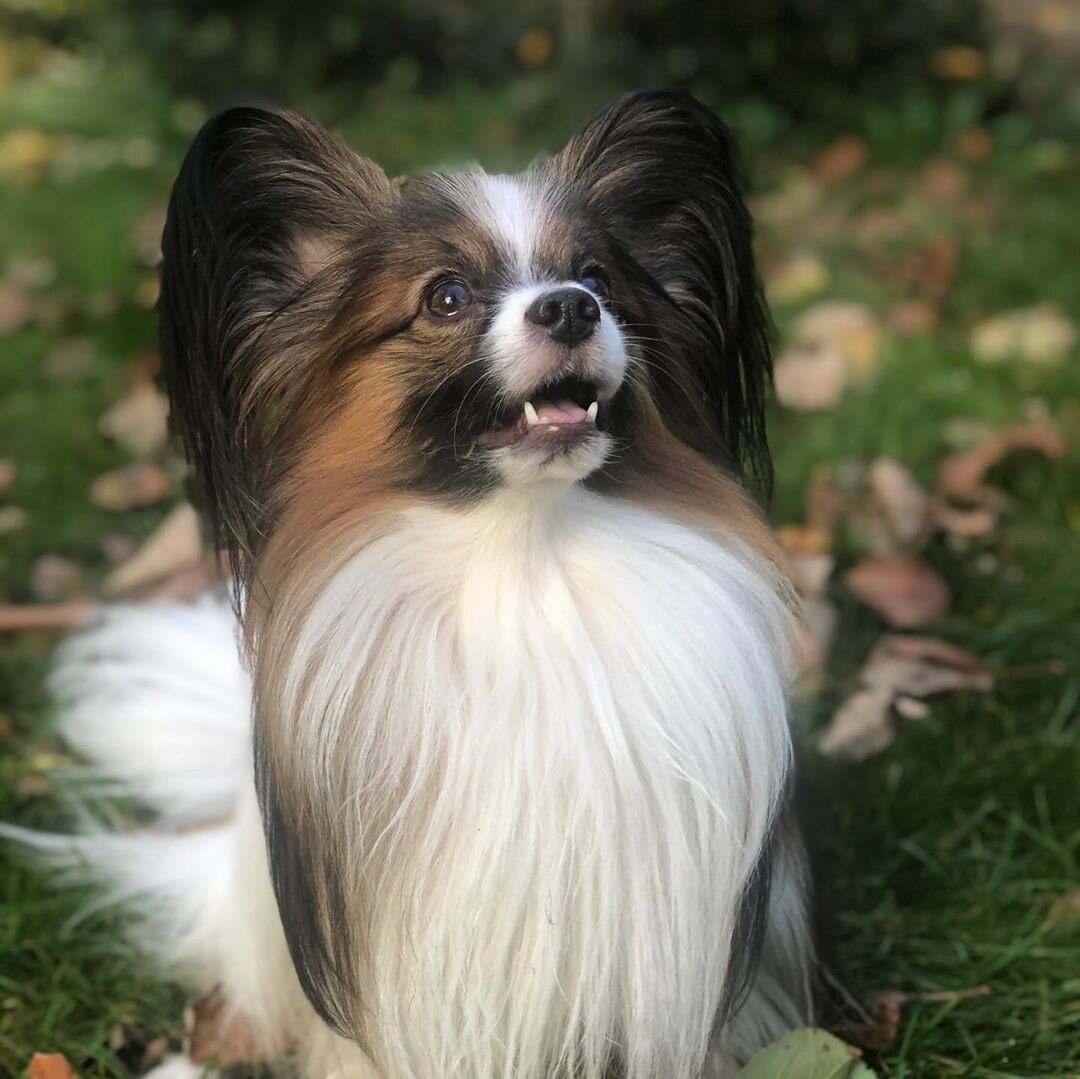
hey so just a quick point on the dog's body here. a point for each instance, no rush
(519, 643)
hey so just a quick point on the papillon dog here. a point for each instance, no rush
(494, 780)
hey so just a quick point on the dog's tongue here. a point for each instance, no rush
(559, 411)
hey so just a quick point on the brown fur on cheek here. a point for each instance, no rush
(664, 472)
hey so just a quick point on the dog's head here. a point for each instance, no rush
(328, 333)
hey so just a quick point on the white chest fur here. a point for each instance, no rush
(550, 735)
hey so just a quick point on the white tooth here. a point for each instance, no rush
(592, 410)
(530, 414)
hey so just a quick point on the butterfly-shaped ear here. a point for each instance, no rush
(263, 202)
(659, 171)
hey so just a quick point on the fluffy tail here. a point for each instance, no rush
(157, 702)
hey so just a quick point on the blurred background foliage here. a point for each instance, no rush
(784, 69)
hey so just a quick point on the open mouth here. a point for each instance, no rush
(555, 415)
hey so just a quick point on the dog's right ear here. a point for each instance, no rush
(264, 204)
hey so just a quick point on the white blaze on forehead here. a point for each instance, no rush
(515, 212)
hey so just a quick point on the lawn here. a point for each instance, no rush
(954, 850)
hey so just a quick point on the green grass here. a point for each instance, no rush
(949, 848)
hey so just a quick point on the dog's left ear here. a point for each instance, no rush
(659, 171)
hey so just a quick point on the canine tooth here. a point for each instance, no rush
(592, 410)
(530, 414)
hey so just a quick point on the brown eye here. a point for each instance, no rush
(449, 298)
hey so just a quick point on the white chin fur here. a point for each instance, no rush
(518, 466)
(578, 709)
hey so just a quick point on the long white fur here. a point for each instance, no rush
(572, 714)
(581, 702)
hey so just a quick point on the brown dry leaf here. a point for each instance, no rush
(916, 666)
(960, 475)
(174, 545)
(221, 1034)
(861, 727)
(833, 344)
(906, 591)
(978, 521)
(941, 181)
(8, 472)
(911, 317)
(958, 63)
(894, 514)
(18, 617)
(810, 383)
(1042, 335)
(50, 1066)
(882, 1023)
(53, 578)
(823, 501)
(975, 144)
(899, 673)
(140, 421)
(840, 160)
(128, 487)
(936, 266)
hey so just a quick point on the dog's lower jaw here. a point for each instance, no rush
(518, 765)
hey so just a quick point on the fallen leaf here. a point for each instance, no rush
(960, 475)
(893, 516)
(862, 726)
(917, 666)
(8, 472)
(823, 501)
(906, 591)
(979, 521)
(139, 422)
(50, 1066)
(833, 344)
(7, 728)
(53, 578)
(911, 317)
(883, 1009)
(899, 673)
(70, 360)
(840, 160)
(12, 519)
(15, 307)
(800, 277)
(18, 617)
(129, 487)
(975, 144)
(1042, 335)
(174, 545)
(935, 268)
(959, 63)
(941, 181)
(796, 198)
(809, 1053)
(810, 383)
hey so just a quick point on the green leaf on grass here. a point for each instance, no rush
(807, 1054)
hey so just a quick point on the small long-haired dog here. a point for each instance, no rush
(507, 793)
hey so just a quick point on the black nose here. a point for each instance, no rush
(569, 314)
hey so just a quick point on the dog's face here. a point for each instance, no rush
(494, 315)
(327, 333)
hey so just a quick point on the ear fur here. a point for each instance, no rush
(660, 170)
(263, 203)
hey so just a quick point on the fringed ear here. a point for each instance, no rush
(262, 206)
(659, 170)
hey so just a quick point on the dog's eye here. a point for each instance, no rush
(593, 280)
(449, 298)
